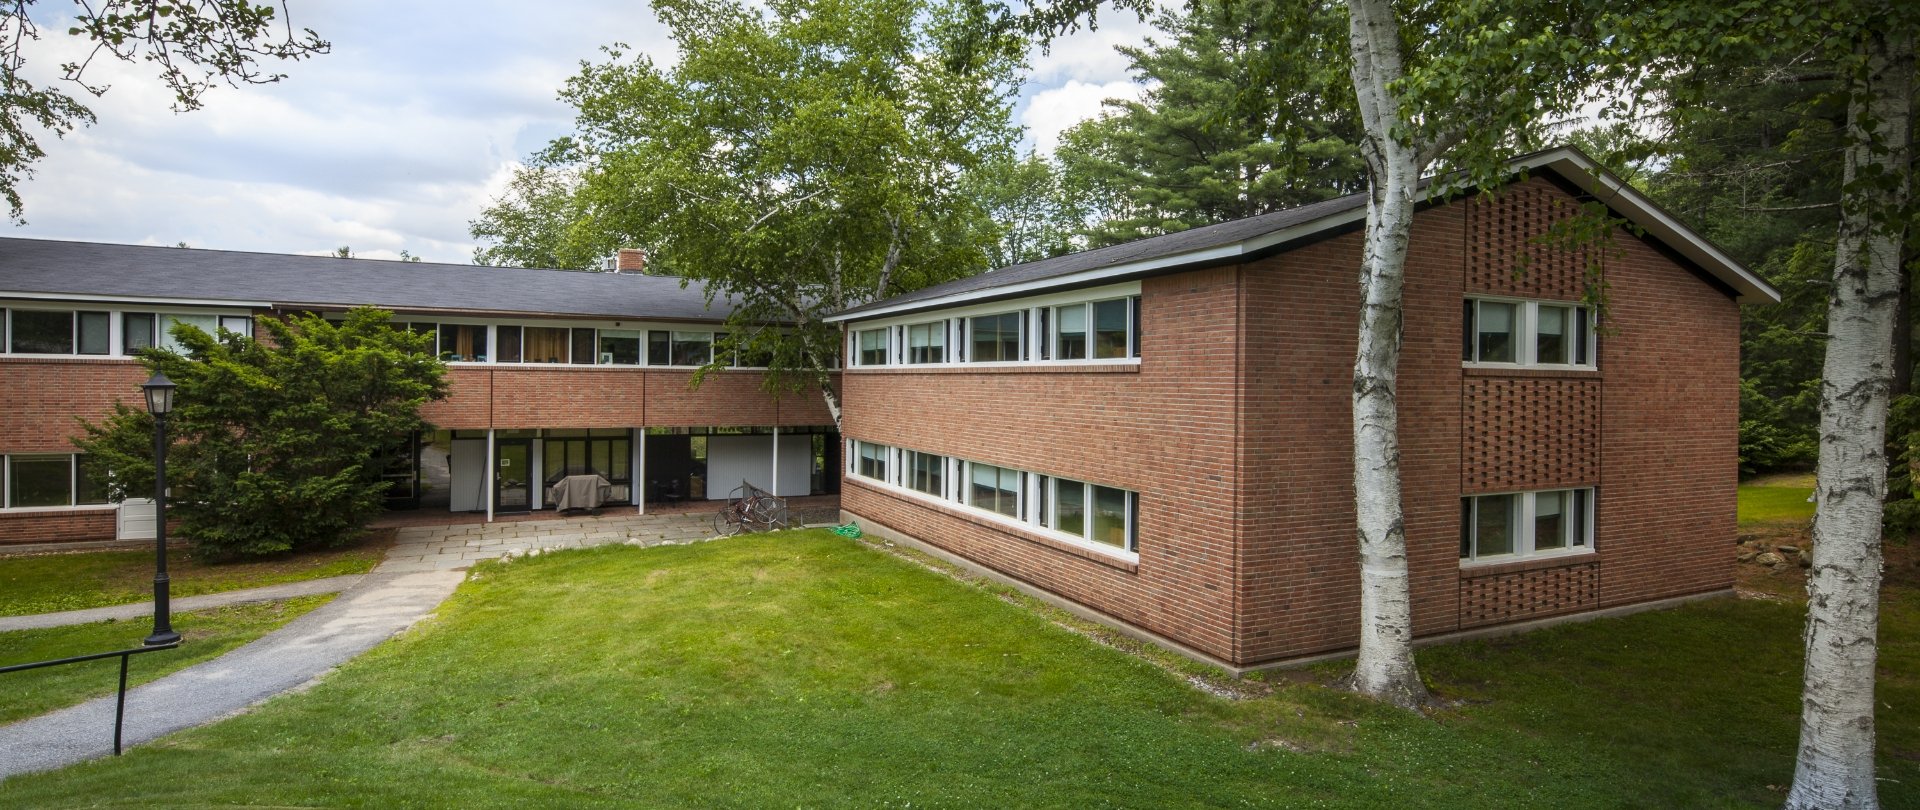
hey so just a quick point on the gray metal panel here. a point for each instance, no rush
(86, 268)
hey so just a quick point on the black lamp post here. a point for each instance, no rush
(159, 391)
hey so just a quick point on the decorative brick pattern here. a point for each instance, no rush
(1529, 433)
(1503, 257)
(1494, 598)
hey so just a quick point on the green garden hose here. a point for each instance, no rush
(849, 530)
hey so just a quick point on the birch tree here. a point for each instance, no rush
(801, 157)
(1835, 765)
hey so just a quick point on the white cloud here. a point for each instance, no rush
(395, 139)
(1052, 111)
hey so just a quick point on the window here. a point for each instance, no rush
(545, 344)
(871, 460)
(136, 331)
(927, 342)
(509, 349)
(996, 338)
(620, 347)
(1526, 333)
(692, 348)
(242, 325)
(42, 332)
(926, 473)
(1110, 329)
(1526, 524)
(463, 343)
(872, 348)
(583, 346)
(1070, 341)
(1069, 507)
(995, 489)
(1103, 515)
(1110, 518)
(95, 334)
(50, 480)
(209, 324)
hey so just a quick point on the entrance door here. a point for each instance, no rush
(512, 487)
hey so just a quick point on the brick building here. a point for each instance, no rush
(550, 373)
(1158, 434)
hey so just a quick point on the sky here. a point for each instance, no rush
(397, 138)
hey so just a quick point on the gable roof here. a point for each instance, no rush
(1248, 238)
(42, 268)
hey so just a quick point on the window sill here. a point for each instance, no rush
(1562, 372)
(1565, 559)
(1099, 367)
(110, 359)
(1124, 561)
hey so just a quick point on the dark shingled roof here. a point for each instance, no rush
(88, 268)
(1154, 247)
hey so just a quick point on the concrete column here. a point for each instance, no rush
(640, 472)
(491, 479)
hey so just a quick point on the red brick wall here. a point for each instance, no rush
(41, 397)
(56, 526)
(1164, 429)
(1529, 432)
(590, 396)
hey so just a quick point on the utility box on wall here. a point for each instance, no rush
(134, 519)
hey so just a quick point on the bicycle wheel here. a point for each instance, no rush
(726, 523)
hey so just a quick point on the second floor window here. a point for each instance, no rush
(1526, 333)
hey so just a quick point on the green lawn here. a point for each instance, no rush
(805, 670)
(205, 633)
(1776, 500)
(46, 583)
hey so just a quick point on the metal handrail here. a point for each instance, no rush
(120, 700)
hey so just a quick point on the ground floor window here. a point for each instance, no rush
(1518, 525)
(995, 489)
(49, 479)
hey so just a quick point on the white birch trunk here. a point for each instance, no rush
(1384, 669)
(1835, 767)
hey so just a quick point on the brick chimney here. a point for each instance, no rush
(630, 260)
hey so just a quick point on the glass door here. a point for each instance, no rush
(512, 491)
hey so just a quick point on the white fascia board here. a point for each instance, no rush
(133, 299)
(1596, 180)
(1090, 277)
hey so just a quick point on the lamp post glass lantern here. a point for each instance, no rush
(159, 391)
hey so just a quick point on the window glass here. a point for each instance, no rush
(136, 331)
(509, 340)
(927, 343)
(205, 323)
(42, 332)
(1550, 335)
(1578, 514)
(620, 347)
(242, 325)
(544, 344)
(659, 348)
(1493, 523)
(1467, 333)
(1070, 342)
(996, 338)
(583, 346)
(926, 473)
(1495, 331)
(873, 461)
(1582, 340)
(96, 333)
(1110, 329)
(430, 330)
(995, 489)
(1133, 304)
(86, 490)
(1070, 507)
(873, 347)
(1549, 520)
(39, 480)
(463, 343)
(1109, 517)
(692, 348)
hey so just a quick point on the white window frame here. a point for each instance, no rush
(1524, 542)
(1036, 342)
(860, 348)
(933, 329)
(1526, 324)
(73, 485)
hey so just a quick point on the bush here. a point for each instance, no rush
(275, 443)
